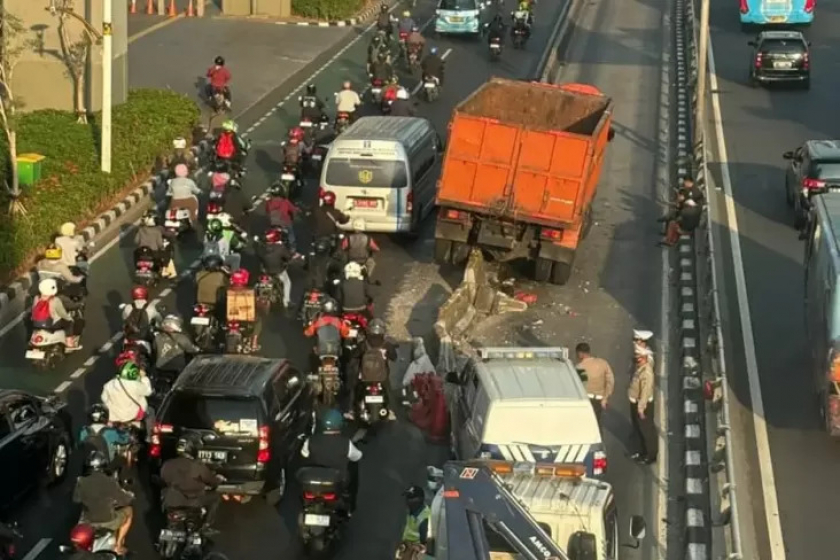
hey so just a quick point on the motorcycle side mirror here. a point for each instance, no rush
(65, 548)
(336, 281)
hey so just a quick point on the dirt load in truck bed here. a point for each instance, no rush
(536, 106)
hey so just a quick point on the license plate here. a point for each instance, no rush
(456, 19)
(316, 520)
(777, 19)
(376, 90)
(495, 46)
(352, 333)
(364, 203)
(172, 224)
(306, 124)
(375, 399)
(200, 321)
(782, 65)
(35, 354)
(168, 534)
(216, 195)
(213, 455)
(316, 157)
(429, 85)
(287, 177)
(143, 273)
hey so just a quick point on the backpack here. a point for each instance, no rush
(137, 323)
(95, 441)
(357, 247)
(374, 365)
(41, 315)
(225, 147)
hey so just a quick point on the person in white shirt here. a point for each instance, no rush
(126, 395)
(347, 100)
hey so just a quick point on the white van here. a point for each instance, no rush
(526, 405)
(383, 171)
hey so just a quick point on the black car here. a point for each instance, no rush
(780, 56)
(248, 411)
(814, 169)
(35, 443)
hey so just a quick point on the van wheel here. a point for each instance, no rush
(560, 273)
(443, 251)
(542, 269)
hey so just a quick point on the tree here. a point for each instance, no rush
(75, 56)
(13, 42)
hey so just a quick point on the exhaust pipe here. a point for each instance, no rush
(383, 412)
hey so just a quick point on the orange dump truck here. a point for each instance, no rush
(520, 172)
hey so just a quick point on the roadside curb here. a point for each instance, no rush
(364, 16)
(21, 288)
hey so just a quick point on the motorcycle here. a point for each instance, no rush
(495, 46)
(146, 268)
(104, 543)
(177, 222)
(403, 39)
(217, 102)
(413, 58)
(313, 301)
(321, 518)
(376, 90)
(205, 327)
(342, 121)
(431, 87)
(184, 535)
(327, 382)
(356, 323)
(9, 534)
(289, 178)
(237, 341)
(47, 345)
(267, 292)
(520, 34)
(373, 406)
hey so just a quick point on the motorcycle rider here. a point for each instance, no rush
(100, 436)
(360, 248)
(311, 106)
(125, 396)
(210, 282)
(406, 23)
(326, 218)
(321, 264)
(151, 235)
(230, 147)
(239, 282)
(347, 100)
(433, 66)
(384, 22)
(329, 448)
(294, 150)
(354, 293)
(172, 345)
(72, 247)
(402, 106)
(188, 480)
(329, 329)
(275, 258)
(381, 69)
(181, 153)
(225, 240)
(141, 315)
(104, 503)
(52, 311)
(523, 17)
(377, 353)
(282, 212)
(51, 266)
(218, 78)
(416, 530)
(416, 42)
(183, 193)
(377, 45)
(496, 30)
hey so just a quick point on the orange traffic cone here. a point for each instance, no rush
(172, 12)
(150, 7)
(133, 8)
(190, 12)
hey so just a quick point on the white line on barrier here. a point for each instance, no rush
(765, 462)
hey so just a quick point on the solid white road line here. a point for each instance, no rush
(765, 462)
(418, 86)
(37, 549)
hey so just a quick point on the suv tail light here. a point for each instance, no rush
(806, 61)
(263, 452)
(409, 202)
(159, 429)
(809, 5)
(599, 463)
(758, 59)
(745, 7)
(328, 497)
(812, 184)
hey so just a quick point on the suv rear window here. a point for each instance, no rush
(782, 46)
(825, 170)
(222, 414)
(366, 173)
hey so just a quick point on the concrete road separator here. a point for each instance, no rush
(36, 550)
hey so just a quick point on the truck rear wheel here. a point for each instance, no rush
(560, 273)
(443, 251)
(460, 252)
(542, 269)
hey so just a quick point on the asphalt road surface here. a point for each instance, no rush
(397, 457)
(786, 437)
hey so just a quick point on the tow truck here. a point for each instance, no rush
(476, 515)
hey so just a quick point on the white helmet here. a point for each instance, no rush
(47, 287)
(179, 143)
(353, 270)
(224, 219)
(402, 93)
(172, 323)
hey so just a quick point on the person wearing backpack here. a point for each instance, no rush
(172, 345)
(229, 147)
(360, 248)
(125, 396)
(140, 315)
(373, 366)
(100, 436)
(51, 312)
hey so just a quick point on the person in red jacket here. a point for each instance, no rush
(281, 212)
(218, 78)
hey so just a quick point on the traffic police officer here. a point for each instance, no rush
(600, 380)
(640, 395)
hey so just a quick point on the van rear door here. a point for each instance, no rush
(367, 187)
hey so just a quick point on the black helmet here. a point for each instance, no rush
(219, 61)
(311, 89)
(96, 461)
(98, 414)
(323, 246)
(383, 8)
(415, 497)
(188, 445)
(212, 261)
(376, 327)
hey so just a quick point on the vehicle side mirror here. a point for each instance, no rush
(751, 43)
(638, 527)
(611, 134)
(788, 155)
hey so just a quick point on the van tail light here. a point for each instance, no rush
(812, 184)
(553, 234)
(409, 202)
(263, 452)
(809, 5)
(806, 61)
(745, 7)
(599, 463)
(328, 497)
(154, 449)
(758, 58)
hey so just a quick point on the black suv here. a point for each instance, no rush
(814, 169)
(780, 56)
(248, 412)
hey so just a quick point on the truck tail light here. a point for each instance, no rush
(553, 234)
(599, 463)
(263, 453)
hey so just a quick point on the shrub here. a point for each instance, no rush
(327, 9)
(72, 188)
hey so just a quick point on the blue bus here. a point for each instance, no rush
(777, 12)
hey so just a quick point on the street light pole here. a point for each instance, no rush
(702, 65)
(107, 63)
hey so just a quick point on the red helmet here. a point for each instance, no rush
(125, 357)
(329, 198)
(296, 133)
(82, 536)
(240, 278)
(274, 235)
(214, 208)
(140, 292)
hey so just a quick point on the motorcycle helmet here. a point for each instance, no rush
(129, 371)
(53, 253)
(415, 497)
(406, 14)
(296, 133)
(47, 287)
(383, 9)
(433, 50)
(214, 227)
(82, 536)
(219, 61)
(323, 246)
(181, 170)
(239, 279)
(274, 236)
(67, 229)
(172, 323)
(179, 143)
(311, 89)
(212, 262)
(126, 356)
(188, 445)
(220, 180)
(376, 327)
(96, 461)
(330, 420)
(98, 414)
(353, 271)
(150, 219)
(140, 293)
(377, 39)
(230, 126)
(329, 198)
(329, 307)
(277, 188)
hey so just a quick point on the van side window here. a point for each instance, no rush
(424, 162)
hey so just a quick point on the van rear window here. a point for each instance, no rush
(222, 414)
(370, 173)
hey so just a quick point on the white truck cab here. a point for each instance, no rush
(525, 405)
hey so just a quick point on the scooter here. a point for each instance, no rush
(323, 501)
(48, 345)
(177, 222)
(205, 327)
(376, 90)
(342, 121)
(184, 535)
(104, 543)
(373, 406)
(146, 267)
(520, 34)
(495, 46)
(431, 87)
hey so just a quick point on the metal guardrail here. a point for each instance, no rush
(721, 465)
